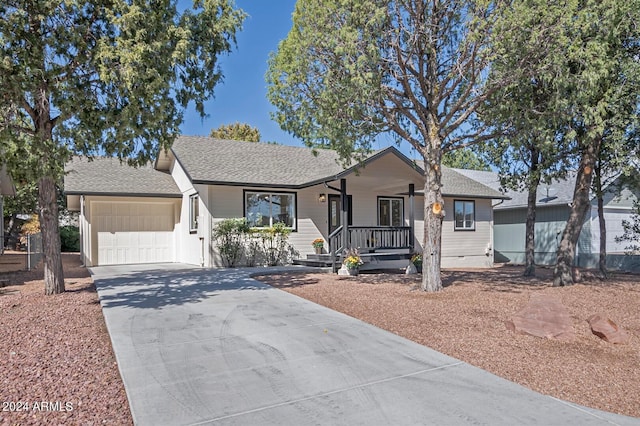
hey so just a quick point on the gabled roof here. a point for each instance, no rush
(215, 161)
(233, 163)
(225, 162)
(107, 176)
(456, 184)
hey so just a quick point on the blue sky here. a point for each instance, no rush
(242, 96)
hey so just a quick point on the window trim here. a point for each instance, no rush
(463, 228)
(381, 197)
(293, 228)
(193, 219)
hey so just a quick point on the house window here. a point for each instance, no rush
(390, 211)
(264, 209)
(464, 215)
(194, 212)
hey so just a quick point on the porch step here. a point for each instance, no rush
(372, 261)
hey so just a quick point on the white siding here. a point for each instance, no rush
(121, 230)
(386, 177)
(613, 219)
(462, 249)
(189, 247)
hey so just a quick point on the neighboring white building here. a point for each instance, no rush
(552, 212)
(165, 213)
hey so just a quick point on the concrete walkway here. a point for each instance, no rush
(198, 346)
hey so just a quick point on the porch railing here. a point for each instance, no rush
(335, 246)
(379, 237)
(369, 238)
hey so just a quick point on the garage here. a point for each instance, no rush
(129, 232)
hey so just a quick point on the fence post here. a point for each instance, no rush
(28, 252)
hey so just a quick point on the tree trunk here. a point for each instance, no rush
(433, 215)
(602, 258)
(52, 259)
(562, 274)
(530, 234)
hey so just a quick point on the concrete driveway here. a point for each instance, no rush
(201, 346)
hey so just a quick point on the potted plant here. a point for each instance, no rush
(416, 259)
(318, 244)
(352, 261)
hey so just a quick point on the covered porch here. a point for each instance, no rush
(390, 243)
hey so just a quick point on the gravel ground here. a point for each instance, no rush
(466, 321)
(55, 354)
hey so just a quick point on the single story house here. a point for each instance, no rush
(552, 211)
(165, 212)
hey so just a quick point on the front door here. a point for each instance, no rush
(335, 215)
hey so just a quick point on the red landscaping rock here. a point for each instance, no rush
(607, 330)
(544, 316)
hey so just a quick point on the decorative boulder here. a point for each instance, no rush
(607, 330)
(544, 316)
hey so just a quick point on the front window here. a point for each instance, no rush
(464, 215)
(264, 209)
(194, 211)
(390, 211)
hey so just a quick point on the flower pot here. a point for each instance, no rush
(318, 250)
(353, 271)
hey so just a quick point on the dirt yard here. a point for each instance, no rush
(467, 321)
(58, 366)
(56, 359)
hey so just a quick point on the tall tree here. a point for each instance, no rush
(352, 69)
(616, 165)
(236, 132)
(93, 77)
(602, 50)
(530, 150)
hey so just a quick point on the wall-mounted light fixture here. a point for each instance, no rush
(322, 197)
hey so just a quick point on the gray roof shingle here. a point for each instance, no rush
(214, 161)
(107, 176)
(455, 184)
(558, 192)
(208, 160)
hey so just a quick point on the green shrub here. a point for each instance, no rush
(69, 238)
(274, 244)
(230, 235)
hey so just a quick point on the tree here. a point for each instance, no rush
(530, 150)
(236, 132)
(92, 78)
(616, 165)
(350, 70)
(465, 159)
(598, 80)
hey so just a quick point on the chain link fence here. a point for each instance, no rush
(34, 250)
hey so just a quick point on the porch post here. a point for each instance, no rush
(412, 219)
(344, 219)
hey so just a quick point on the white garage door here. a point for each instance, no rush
(133, 232)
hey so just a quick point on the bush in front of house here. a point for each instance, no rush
(230, 236)
(69, 238)
(274, 244)
(235, 239)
